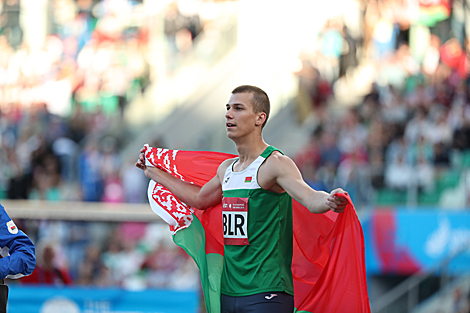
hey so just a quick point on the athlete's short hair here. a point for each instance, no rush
(260, 100)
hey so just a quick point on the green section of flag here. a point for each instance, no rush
(193, 241)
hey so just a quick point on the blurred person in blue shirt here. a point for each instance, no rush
(17, 254)
(17, 250)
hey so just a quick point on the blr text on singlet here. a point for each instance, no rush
(258, 234)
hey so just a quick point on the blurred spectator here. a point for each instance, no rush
(393, 108)
(397, 148)
(441, 131)
(134, 182)
(46, 271)
(10, 22)
(161, 266)
(17, 253)
(309, 173)
(92, 271)
(352, 134)
(460, 303)
(329, 151)
(384, 33)
(46, 179)
(331, 47)
(110, 169)
(377, 170)
(353, 175)
(425, 174)
(441, 156)
(398, 174)
(422, 149)
(19, 180)
(330, 157)
(66, 150)
(348, 58)
(454, 56)
(76, 238)
(111, 259)
(432, 56)
(89, 171)
(310, 154)
(130, 264)
(174, 22)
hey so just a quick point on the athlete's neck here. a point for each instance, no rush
(248, 151)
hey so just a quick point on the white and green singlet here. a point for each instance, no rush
(258, 234)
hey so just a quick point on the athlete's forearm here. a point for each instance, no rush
(317, 202)
(184, 191)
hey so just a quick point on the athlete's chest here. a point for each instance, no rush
(243, 180)
(251, 178)
(259, 173)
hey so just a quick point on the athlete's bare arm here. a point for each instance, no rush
(195, 196)
(280, 173)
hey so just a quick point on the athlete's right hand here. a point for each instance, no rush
(141, 160)
(337, 204)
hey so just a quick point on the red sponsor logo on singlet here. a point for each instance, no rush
(235, 220)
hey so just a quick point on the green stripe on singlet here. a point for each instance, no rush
(265, 264)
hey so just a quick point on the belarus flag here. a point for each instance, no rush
(328, 262)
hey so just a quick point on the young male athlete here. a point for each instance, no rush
(256, 190)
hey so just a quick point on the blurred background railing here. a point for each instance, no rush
(406, 295)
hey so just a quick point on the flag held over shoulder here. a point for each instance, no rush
(323, 243)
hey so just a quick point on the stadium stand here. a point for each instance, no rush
(382, 111)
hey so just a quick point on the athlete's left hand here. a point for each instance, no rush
(337, 204)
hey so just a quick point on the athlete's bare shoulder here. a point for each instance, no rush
(278, 162)
(275, 166)
(223, 167)
(226, 163)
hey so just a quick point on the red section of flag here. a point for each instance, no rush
(328, 257)
(328, 263)
(248, 179)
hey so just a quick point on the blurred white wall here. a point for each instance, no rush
(272, 35)
(33, 19)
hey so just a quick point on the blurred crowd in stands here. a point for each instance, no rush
(411, 131)
(63, 105)
(61, 131)
(131, 255)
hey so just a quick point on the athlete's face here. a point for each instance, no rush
(240, 118)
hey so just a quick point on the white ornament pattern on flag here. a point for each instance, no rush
(162, 201)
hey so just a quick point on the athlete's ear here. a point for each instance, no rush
(261, 117)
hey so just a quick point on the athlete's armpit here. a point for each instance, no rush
(211, 193)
